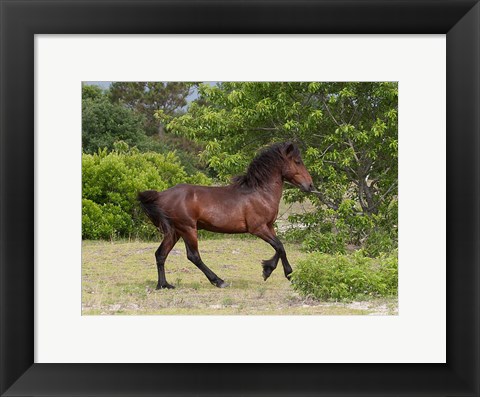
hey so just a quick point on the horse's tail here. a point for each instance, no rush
(148, 202)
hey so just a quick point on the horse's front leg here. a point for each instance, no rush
(267, 233)
(269, 265)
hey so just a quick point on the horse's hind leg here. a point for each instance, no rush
(161, 254)
(191, 243)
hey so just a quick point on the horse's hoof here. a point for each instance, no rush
(221, 284)
(268, 268)
(267, 271)
(165, 286)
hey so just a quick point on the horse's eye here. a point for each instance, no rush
(298, 162)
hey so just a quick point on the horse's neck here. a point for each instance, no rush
(274, 189)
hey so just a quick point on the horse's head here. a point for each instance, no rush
(294, 170)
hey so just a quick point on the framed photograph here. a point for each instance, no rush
(48, 348)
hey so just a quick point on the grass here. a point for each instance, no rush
(120, 278)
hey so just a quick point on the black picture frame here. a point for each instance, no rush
(21, 20)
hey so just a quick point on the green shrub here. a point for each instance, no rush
(328, 243)
(346, 277)
(111, 182)
(105, 221)
(91, 219)
(330, 231)
(378, 242)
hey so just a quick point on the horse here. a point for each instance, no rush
(249, 204)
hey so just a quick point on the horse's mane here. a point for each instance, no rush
(260, 169)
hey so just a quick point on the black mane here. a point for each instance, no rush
(260, 169)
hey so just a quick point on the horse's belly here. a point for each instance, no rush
(220, 211)
(228, 226)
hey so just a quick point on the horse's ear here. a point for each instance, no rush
(289, 148)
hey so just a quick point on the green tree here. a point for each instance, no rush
(348, 133)
(148, 98)
(91, 91)
(104, 123)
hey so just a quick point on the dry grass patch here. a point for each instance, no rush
(120, 278)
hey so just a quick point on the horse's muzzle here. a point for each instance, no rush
(307, 187)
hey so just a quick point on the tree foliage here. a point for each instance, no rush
(348, 133)
(148, 98)
(91, 92)
(104, 123)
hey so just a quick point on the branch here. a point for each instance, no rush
(324, 200)
(326, 150)
(389, 190)
(263, 129)
(350, 143)
(380, 200)
(308, 100)
(349, 171)
(259, 136)
(353, 114)
(329, 112)
(360, 197)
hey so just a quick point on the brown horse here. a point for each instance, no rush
(248, 205)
